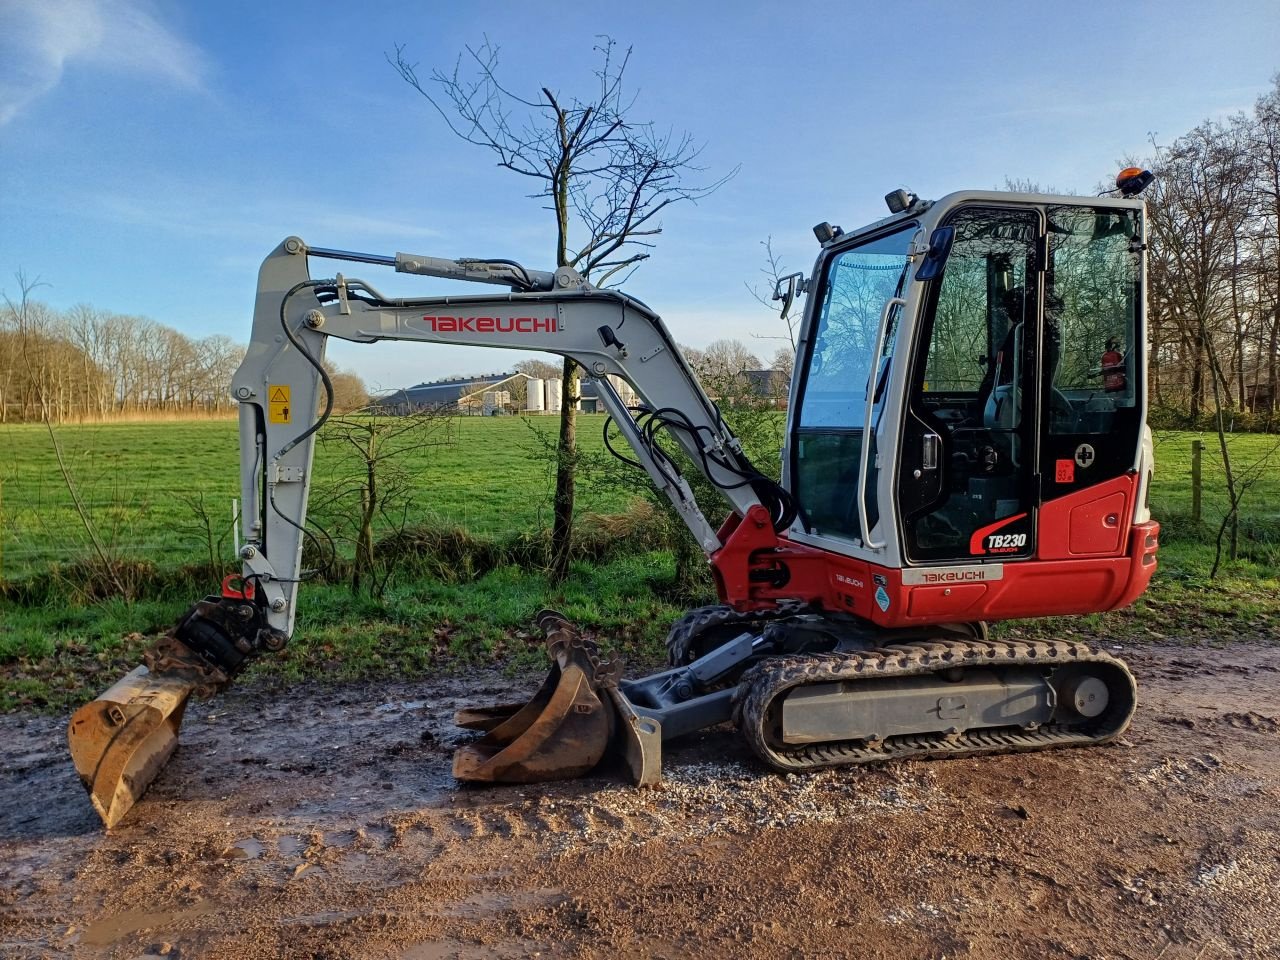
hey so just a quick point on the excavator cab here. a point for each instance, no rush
(965, 442)
(954, 419)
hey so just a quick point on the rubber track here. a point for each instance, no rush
(685, 632)
(763, 683)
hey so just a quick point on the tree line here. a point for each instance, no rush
(91, 364)
(1214, 261)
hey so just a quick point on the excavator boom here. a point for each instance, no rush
(121, 740)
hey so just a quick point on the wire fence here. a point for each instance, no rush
(40, 525)
(37, 535)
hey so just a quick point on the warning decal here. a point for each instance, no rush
(278, 403)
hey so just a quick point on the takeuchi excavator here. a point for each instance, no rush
(965, 443)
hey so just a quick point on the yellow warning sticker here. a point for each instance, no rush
(278, 403)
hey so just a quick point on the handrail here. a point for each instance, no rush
(867, 432)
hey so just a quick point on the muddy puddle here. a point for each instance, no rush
(323, 823)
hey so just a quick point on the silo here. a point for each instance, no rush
(554, 387)
(623, 389)
(534, 401)
(490, 402)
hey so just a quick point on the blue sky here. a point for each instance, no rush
(151, 153)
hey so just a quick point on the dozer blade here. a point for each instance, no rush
(120, 741)
(562, 732)
(639, 740)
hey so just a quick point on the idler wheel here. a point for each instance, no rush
(1086, 695)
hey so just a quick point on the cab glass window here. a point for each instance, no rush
(840, 369)
(1091, 307)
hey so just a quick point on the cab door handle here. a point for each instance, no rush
(930, 448)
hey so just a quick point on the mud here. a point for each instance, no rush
(324, 824)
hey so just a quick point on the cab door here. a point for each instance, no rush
(1091, 424)
(843, 379)
(967, 469)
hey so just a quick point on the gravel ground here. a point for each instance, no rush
(324, 824)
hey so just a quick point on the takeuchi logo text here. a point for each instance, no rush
(952, 576)
(492, 324)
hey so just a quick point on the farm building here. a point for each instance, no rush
(494, 394)
(486, 395)
(771, 387)
(508, 393)
(591, 403)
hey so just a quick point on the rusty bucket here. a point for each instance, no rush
(120, 741)
(562, 732)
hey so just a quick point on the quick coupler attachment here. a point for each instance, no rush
(122, 740)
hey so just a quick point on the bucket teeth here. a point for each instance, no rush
(562, 732)
(566, 646)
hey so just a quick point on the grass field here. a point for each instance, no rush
(138, 482)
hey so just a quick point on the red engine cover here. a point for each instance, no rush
(1090, 558)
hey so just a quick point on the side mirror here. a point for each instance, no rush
(785, 290)
(935, 259)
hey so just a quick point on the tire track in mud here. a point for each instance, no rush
(323, 825)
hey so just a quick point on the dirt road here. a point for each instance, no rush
(325, 825)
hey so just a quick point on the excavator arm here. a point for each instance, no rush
(281, 385)
(120, 741)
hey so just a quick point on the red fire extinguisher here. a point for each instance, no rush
(1113, 373)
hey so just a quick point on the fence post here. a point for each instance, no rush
(1197, 448)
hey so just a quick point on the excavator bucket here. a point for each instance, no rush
(120, 741)
(562, 732)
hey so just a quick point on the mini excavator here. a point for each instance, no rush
(966, 443)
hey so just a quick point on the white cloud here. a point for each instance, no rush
(39, 38)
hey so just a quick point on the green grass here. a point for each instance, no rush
(137, 478)
(54, 658)
(1171, 491)
(137, 481)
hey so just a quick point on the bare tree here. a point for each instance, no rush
(604, 177)
(1264, 144)
(723, 367)
(376, 465)
(692, 355)
(726, 359)
(539, 369)
(1198, 204)
(774, 270)
(784, 361)
(85, 326)
(349, 392)
(27, 324)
